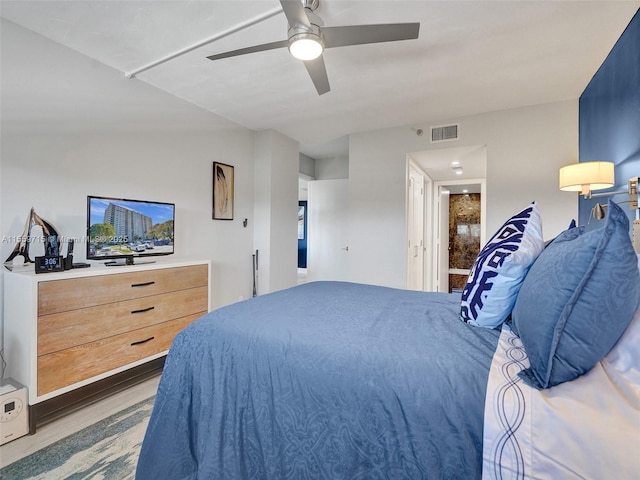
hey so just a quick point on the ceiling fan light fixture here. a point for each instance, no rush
(305, 46)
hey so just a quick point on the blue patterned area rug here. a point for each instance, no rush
(106, 450)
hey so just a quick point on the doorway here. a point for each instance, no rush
(460, 231)
(450, 233)
(303, 231)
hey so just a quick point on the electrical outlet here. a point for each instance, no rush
(636, 235)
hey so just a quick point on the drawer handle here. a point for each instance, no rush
(142, 341)
(145, 284)
(142, 310)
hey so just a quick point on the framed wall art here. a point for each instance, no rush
(222, 191)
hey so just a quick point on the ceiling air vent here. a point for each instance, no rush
(444, 133)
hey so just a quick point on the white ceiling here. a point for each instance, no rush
(471, 57)
(440, 163)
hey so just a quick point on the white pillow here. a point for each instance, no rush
(625, 355)
(497, 274)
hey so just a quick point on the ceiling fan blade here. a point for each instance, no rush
(255, 48)
(318, 73)
(294, 11)
(361, 34)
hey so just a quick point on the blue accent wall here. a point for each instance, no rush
(609, 117)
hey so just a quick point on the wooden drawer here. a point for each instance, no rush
(63, 295)
(66, 367)
(76, 327)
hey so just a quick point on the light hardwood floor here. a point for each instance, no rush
(76, 421)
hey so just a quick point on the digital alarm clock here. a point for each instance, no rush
(49, 263)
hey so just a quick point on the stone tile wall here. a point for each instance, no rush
(464, 234)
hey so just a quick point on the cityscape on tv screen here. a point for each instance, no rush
(129, 227)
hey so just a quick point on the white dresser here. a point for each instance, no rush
(66, 330)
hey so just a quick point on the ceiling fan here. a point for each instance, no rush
(308, 37)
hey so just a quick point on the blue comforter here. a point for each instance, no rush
(326, 380)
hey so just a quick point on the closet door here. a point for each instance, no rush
(327, 249)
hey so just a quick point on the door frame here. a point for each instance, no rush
(437, 211)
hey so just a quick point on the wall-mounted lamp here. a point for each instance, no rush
(632, 190)
(585, 177)
(598, 211)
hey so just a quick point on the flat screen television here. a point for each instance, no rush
(119, 228)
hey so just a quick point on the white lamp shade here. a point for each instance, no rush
(305, 46)
(586, 176)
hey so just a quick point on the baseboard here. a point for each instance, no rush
(54, 408)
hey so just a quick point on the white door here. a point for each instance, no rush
(415, 230)
(327, 248)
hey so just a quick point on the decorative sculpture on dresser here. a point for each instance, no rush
(51, 239)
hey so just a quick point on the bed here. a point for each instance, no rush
(337, 380)
(348, 381)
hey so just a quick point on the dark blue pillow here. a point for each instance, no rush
(576, 301)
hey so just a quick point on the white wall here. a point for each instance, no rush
(525, 149)
(276, 210)
(332, 168)
(306, 166)
(72, 127)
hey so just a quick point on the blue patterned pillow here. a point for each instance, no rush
(577, 300)
(495, 278)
